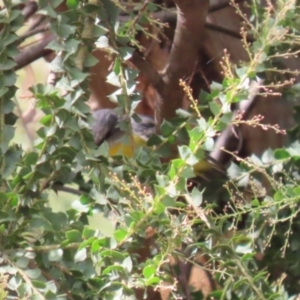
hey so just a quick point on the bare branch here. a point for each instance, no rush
(39, 19)
(191, 16)
(33, 53)
(33, 31)
(230, 139)
(148, 71)
(57, 187)
(29, 9)
(229, 32)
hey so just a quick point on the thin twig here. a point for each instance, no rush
(25, 277)
(62, 188)
(226, 31)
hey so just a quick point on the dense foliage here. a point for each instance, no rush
(250, 243)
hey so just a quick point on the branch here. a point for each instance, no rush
(229, 32)
(25, 277)
(191, 16)
(29, 9)
(184, 54)
(230, 139)
(148, 71)
(32, 32)
(33, 53)
(38, 20)
(61, 188)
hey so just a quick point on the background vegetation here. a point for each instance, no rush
(147, 227)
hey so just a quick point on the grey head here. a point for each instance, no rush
(105, 126)
(144, 127)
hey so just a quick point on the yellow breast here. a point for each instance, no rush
(126, 150)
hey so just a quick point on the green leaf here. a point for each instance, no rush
(267, 157)
(12, 158)
(126, 52)
(152, 281)
(80, 255)
(55, 255)
(259, 276)
(149, 271)
(187, 155)
(127, 263)
(120, 234)
(85, 199)
(9, 80)
(3, 197)
(281, 154)
(73, 236)
(216, 86)
(31, 158)
(22, 262)
(88, 233)
(103, 150)
(278, 196)
(90, 61)
(38, 284)
(33, 273)
(296, 190)
(248, 256)
(197, 197)
(72, 3)
(8, 134)
(99, 31)
(167, 128)
(255, 202)
(46, 120)
(48, 11)
(8, 65)
(215, 108)
(169, 201)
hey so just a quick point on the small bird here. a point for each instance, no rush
(106, 128)
(210, 176)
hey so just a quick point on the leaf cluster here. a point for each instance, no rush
(251, 243)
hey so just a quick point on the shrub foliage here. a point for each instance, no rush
(250, 244)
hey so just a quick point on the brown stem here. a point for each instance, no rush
(229, 32)
(191, 16)
(33, 31)
(59, 187)
(29, 9)
(32, 53)
(39, 19)
(230, 139)
(148, 71)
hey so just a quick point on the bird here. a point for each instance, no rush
(211, 177)
(106, 128)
